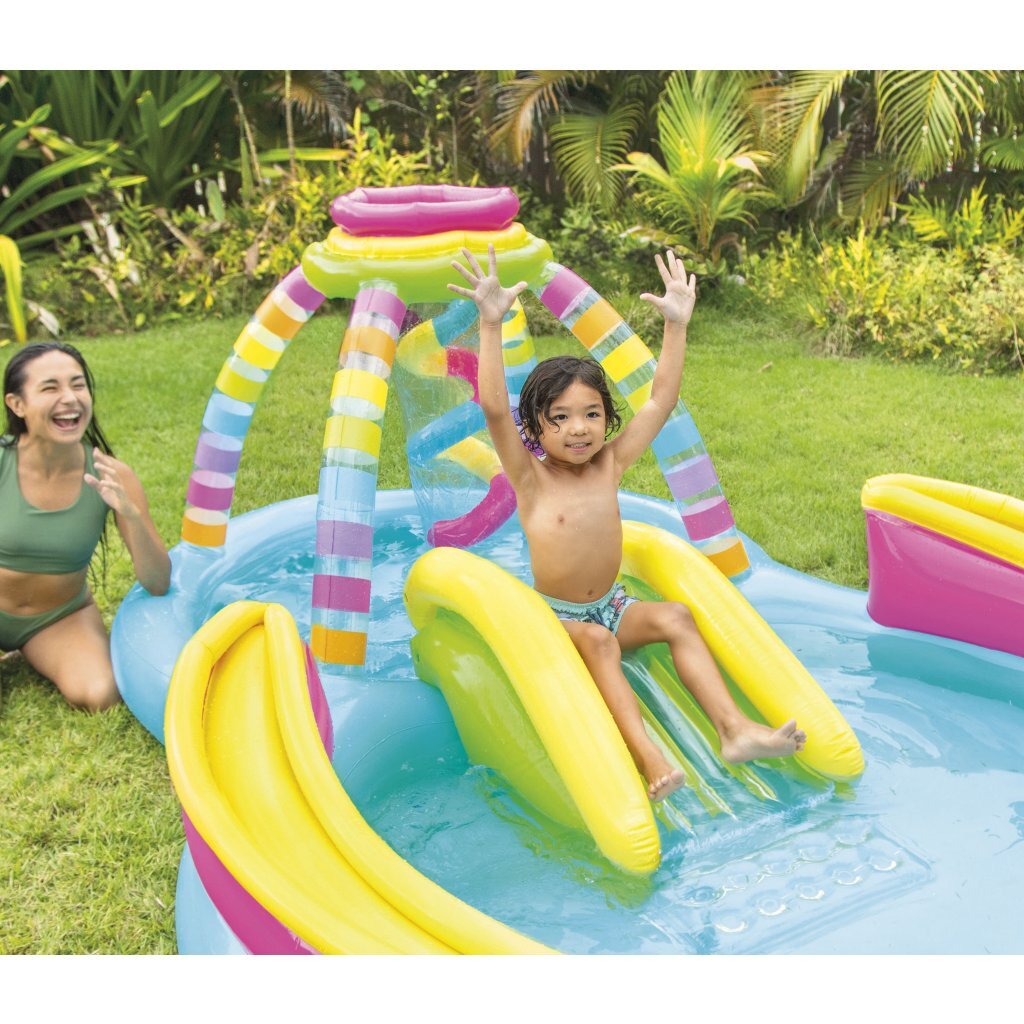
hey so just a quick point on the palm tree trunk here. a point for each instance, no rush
(288, 125)
(231, 78)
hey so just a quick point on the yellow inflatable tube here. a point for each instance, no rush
(555, 690)
(250, 770)
(745, 646)
(420, 267)
(476, 457)
(990, 522)
(446, 244)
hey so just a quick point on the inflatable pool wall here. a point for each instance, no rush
(947, 559)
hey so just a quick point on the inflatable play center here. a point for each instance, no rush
(384, 741)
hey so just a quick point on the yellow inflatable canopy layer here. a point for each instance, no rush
(252, 774)
(991, 522)
(745, 646)
(420, 267)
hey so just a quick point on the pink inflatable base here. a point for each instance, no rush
(928, 582)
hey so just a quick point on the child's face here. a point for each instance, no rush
(574, 429)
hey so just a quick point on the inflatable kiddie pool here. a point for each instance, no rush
(433, 774)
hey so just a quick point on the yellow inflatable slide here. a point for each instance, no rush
(283, 852)
(525, 705)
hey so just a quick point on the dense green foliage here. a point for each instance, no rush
(149, 264)
(147, 196)
(962, 306)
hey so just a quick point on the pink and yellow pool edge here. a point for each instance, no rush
(947, 559)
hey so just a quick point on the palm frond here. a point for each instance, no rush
(1005, 153)
(633, 85)
(697, 123)
(870, 188)
(742, 80)
(923, 115)
(318, 96)
(586, 148)
(792, 115)
(522, 103)
(1004, 100)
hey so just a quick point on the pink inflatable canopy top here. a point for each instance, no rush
(424, 209)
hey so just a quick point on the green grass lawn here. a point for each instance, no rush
(90, 833)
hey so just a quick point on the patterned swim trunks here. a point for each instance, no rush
(605, 611)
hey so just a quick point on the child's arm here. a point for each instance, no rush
(676, 306)
(493, 302)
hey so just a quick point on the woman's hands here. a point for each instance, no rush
(110, 486)
(680, 294)
(491, 299)
(119, 487)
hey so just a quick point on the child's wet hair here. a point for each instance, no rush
(550, 378)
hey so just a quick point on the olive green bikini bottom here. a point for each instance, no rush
(17, 630)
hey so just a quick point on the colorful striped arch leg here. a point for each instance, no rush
(679, 449)
(211, 486)
(348, 477)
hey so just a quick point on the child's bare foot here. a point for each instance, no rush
(754, 740)
(662, 778)
(659, 788)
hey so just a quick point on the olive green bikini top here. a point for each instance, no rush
(43, 540)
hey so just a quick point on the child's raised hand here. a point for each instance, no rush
(491, 299)
(680, 294)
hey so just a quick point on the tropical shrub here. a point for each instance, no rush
(967, 227)
(136, 263)
(603, 249)
(166, 122)
(710, 182)
(42, 175)
(902, 299)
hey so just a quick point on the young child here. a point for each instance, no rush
(569, 510)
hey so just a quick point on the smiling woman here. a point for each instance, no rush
(58, 481)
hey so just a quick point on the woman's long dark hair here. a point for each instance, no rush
(14, 381)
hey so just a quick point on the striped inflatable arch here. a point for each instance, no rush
(377, 257)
